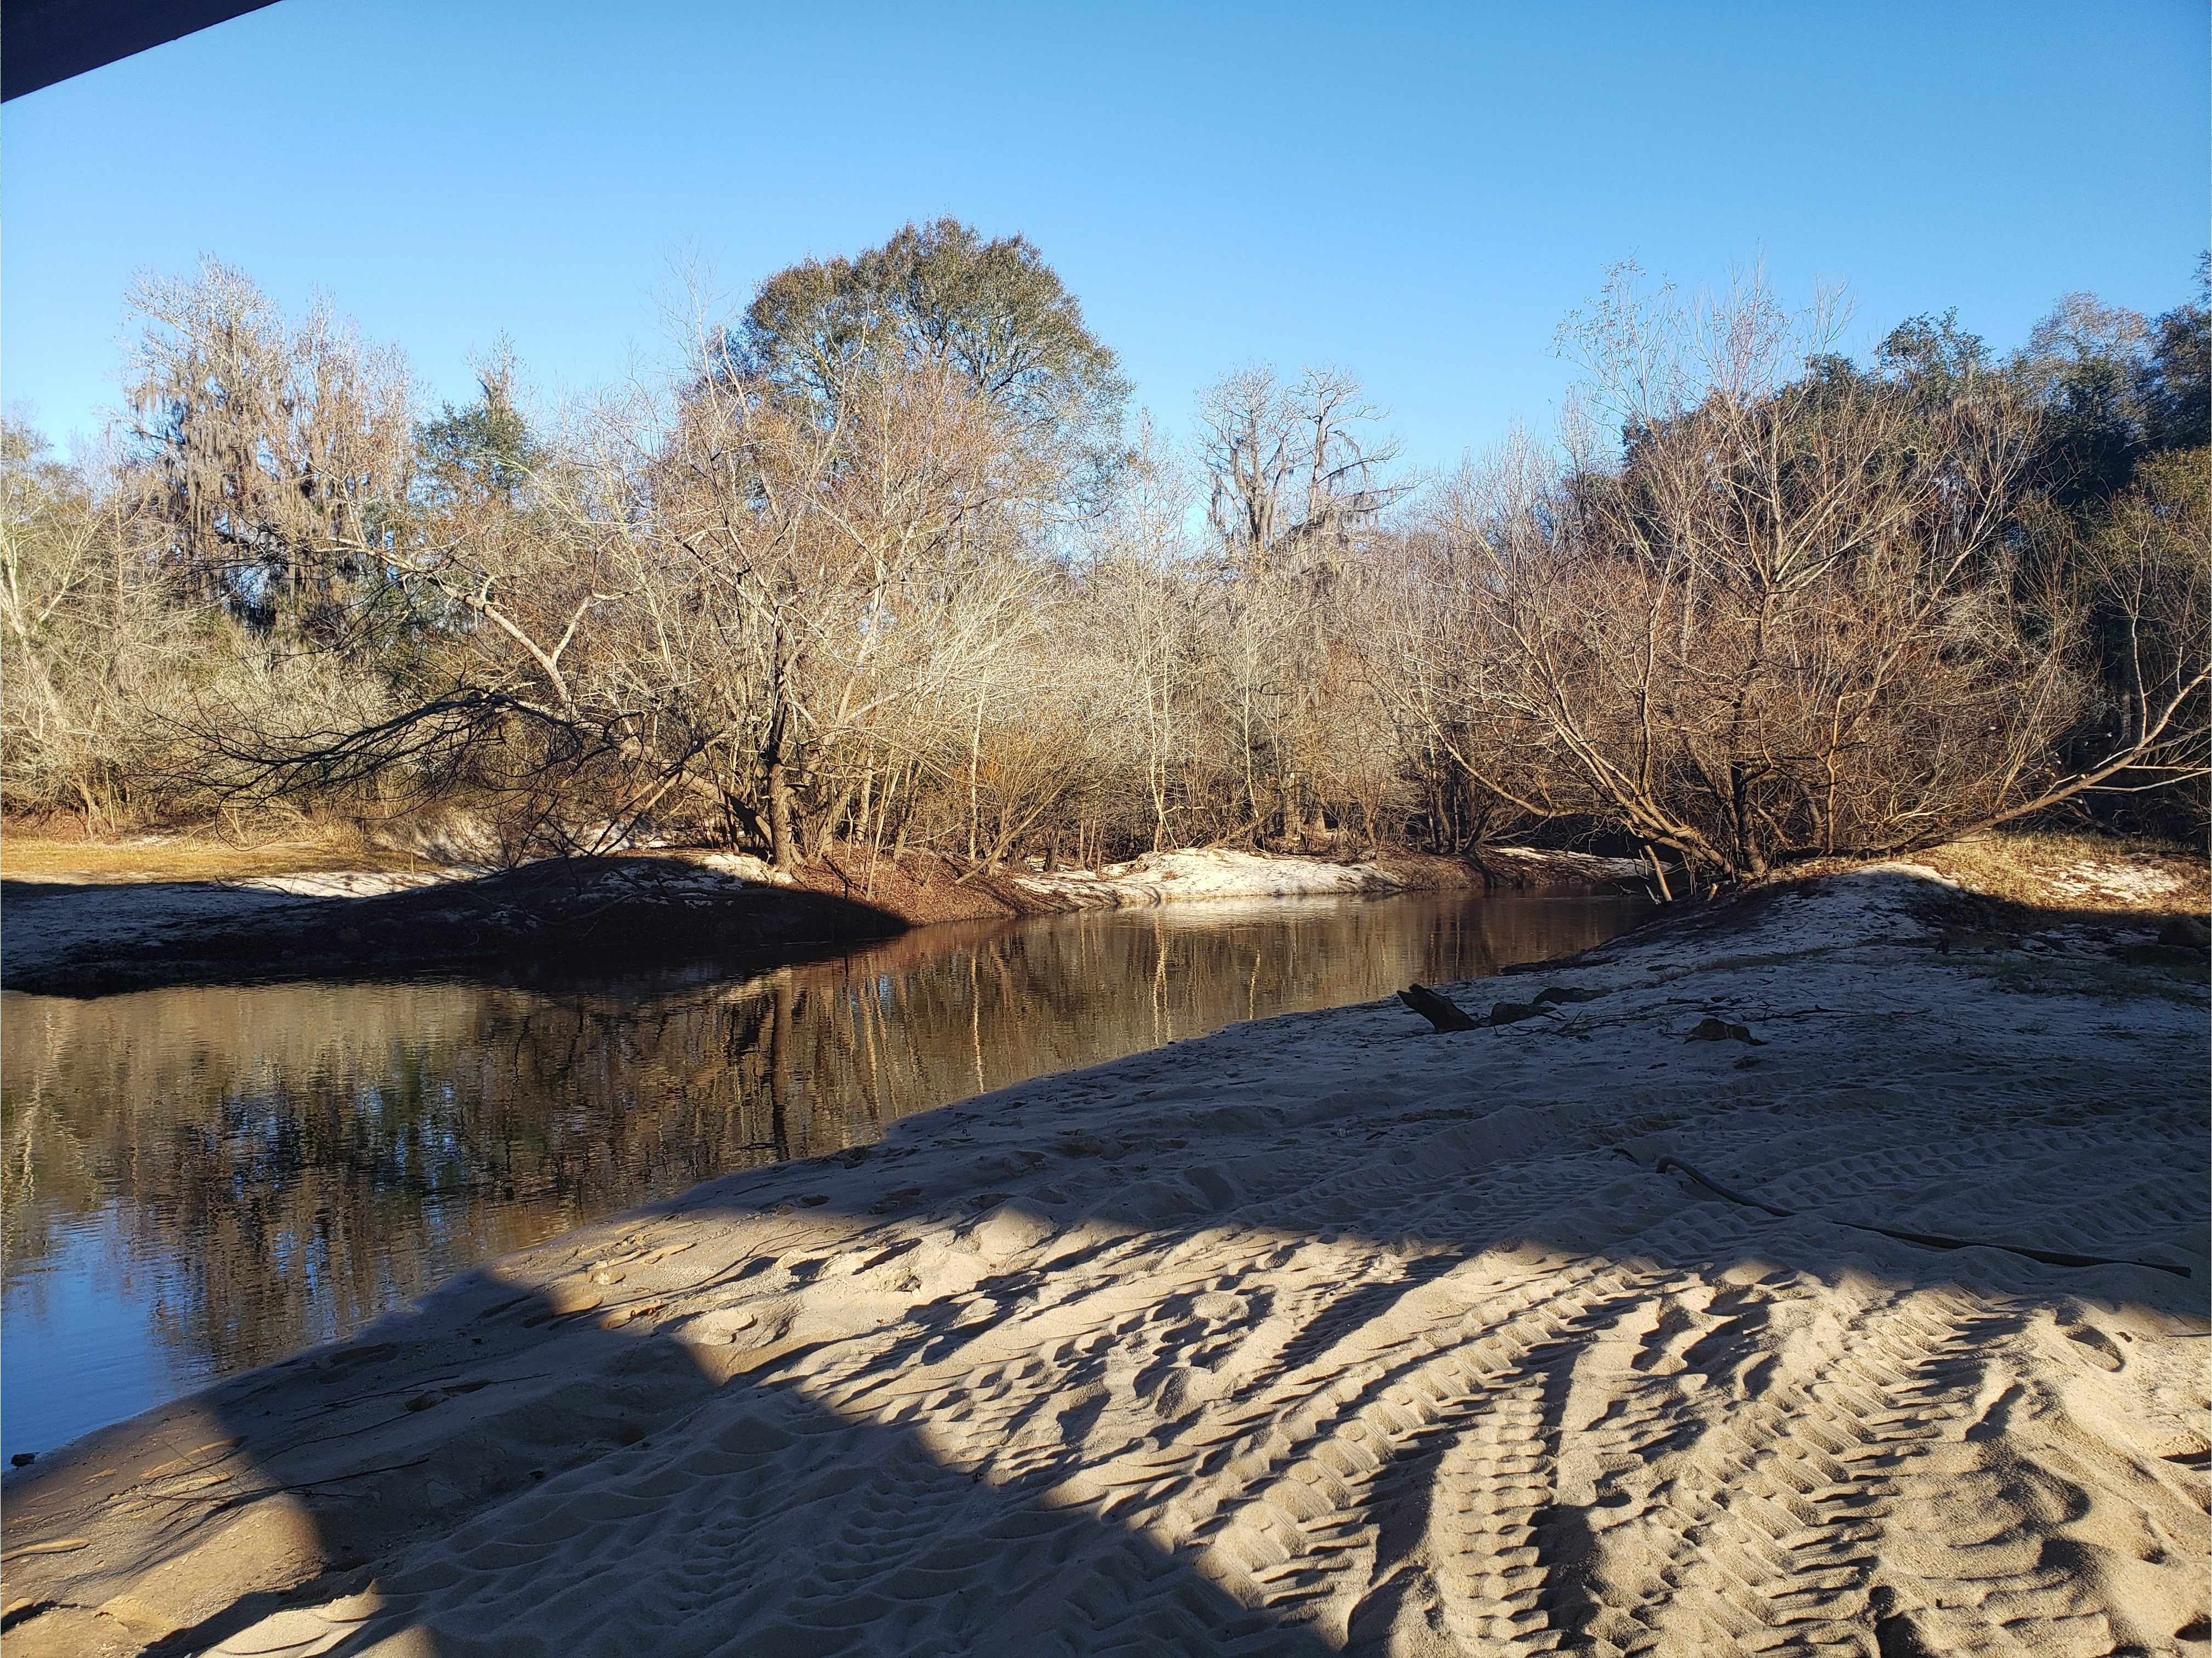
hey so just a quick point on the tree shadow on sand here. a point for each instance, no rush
(1476, 1435)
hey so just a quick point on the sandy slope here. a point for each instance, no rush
(125, 917)
(1211, 873)
(1320, 1334)
(1161, 877)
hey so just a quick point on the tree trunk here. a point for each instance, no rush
(780, 849)
(774, 753)
(975, 760)
(827, 831)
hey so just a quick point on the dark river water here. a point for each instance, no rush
(200, 1180)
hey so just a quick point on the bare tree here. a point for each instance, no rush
(872, 564)
(1294, 483)
(281, 452)
(93, 635)
(1790, 619)
(1146, 614)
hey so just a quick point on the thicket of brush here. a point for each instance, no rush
(884, 560)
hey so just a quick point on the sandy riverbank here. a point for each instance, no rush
(1162, 878)
(83, 933)
(1320, 1334)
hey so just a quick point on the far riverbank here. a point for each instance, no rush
(94, 929)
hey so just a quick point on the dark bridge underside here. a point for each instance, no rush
(43, 41)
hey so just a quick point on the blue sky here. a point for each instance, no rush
(1416, 193)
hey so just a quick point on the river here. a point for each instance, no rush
(204, 1179)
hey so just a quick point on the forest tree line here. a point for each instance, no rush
(886, 561)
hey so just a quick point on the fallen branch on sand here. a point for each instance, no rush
(1445, 1014)
(1441, 1011)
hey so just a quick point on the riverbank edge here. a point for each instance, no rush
(178, 1526)
(103, 936)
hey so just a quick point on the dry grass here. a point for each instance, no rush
(2046, 870)
(2043, 913)
(2072, 874)
(2010, 885)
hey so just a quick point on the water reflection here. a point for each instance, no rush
(200, 1180)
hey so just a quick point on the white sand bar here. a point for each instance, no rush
(1200, 873)
(1321, 1334)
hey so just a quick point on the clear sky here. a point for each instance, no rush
(1418, 192)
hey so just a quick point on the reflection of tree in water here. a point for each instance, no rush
(289, 1161)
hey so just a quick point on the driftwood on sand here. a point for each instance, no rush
(1441, 1011)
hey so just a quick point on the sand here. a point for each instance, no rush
(71, 918)
(1162, 877)
(1321, 1334)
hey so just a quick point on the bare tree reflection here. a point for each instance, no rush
(286, 1162)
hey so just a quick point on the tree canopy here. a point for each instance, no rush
(992, 312)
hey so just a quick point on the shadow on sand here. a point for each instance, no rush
(515, 1477)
